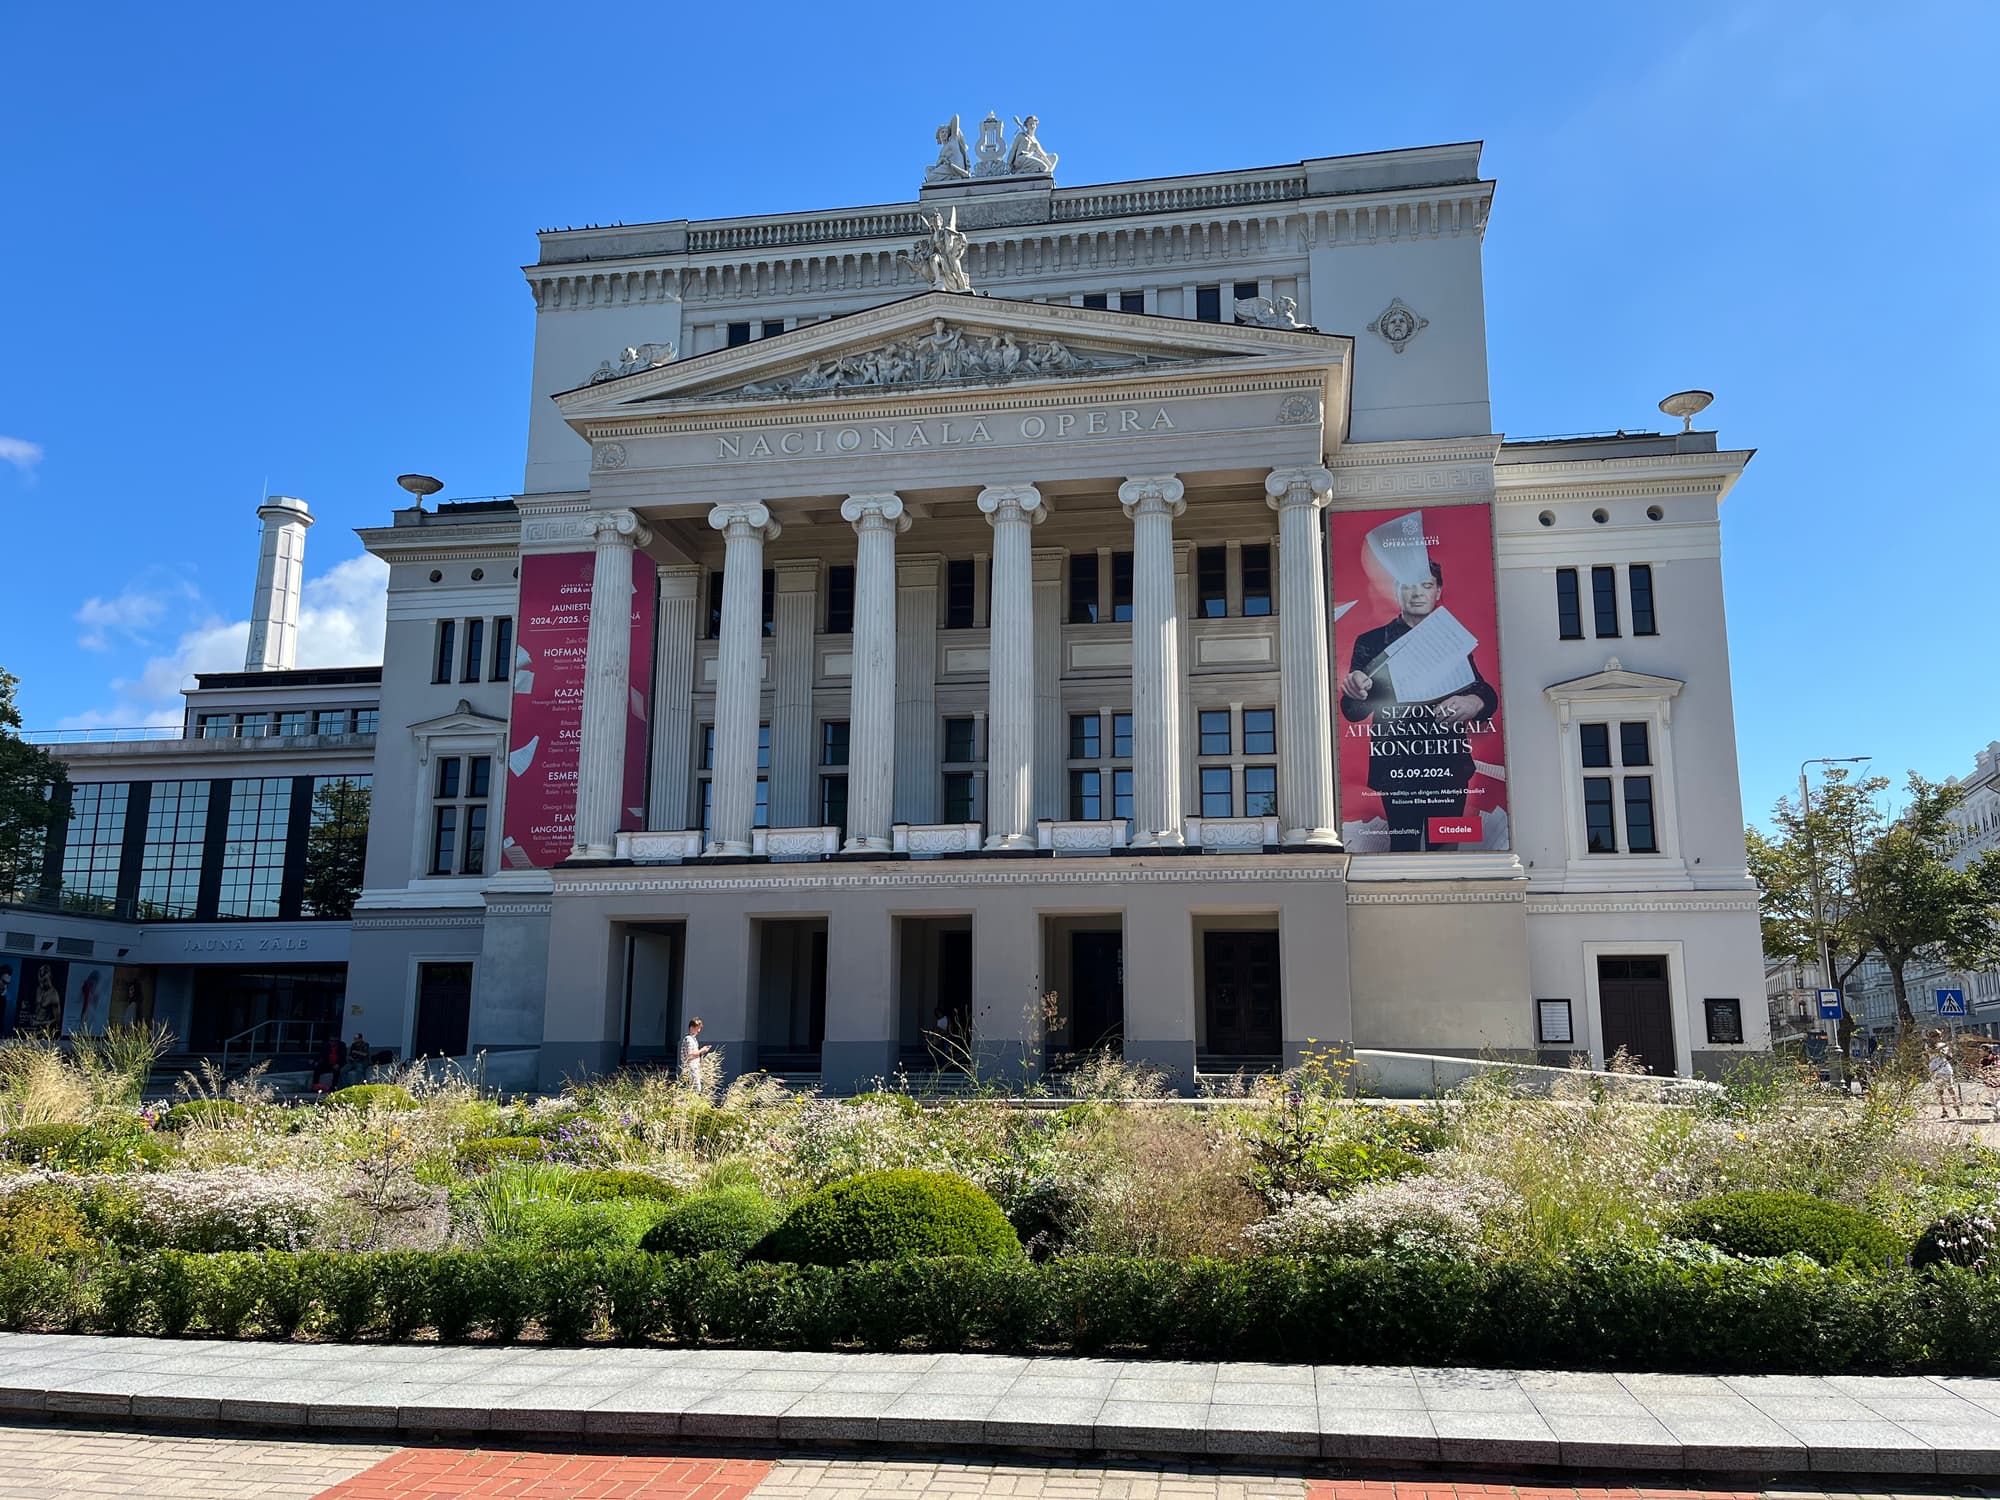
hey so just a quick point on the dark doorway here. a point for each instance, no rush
(791, 984)
(265, 1012)
(1097, 979)
(955, 976)
(444, 1010)
(1240, 977)
(1637, 1005)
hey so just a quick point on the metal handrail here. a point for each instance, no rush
(251, 1042)
(103, 732)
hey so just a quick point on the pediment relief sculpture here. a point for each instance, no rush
(946, 353)
(631, 361)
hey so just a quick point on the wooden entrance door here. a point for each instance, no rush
(1097, 974)
(1240, 977)
(1637, 1006)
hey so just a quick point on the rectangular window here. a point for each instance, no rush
(1086, 799)
(840, 599)
(1246, 291)
(93, 840)
(958, 797)
(707, 760)
(1096, 299)
(479, 776)
(1634, 745)
(1596, 742)
(474, 862)
(773, 327)
(1215, 736)
(475, 651)
(1121, 585)
(1569, 606)
(1208, 304)
(1134, 302)
(253, 853)
(1211, 582)
(366, 719)
(503, 649)
(1260, 731)
(448, 774)
(1121, 736)
(1086, 738)
(292, 723)
(959, 596)
(833, 742)
(959, 746)
(1639, 580)
(215, 726)
(1216, 801)
(176, 833)
(330, 721)
(1639, 836)
(1257, 580)
(1260, 791)
(338, 828)
(1604, 599)
(1601, 837)
(444, 839)
(715, 605)
(763, 747)
(769, 616)
(707, 804)
(739, 333)
(833, 803)
(1121, 794)
(1083, 588)
(763, 819)
(447, 636)
(254, 726)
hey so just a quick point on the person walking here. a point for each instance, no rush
(1944, 1077)
(692, 1052)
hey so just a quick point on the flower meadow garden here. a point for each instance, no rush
(1771, 1224)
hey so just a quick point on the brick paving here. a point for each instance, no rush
(489, 1474)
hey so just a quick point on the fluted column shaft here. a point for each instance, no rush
(1305, 714)
(673, 697)
(871, 717)
(1151, 504)
(1013, 510)
(607, 677)
(739, 679)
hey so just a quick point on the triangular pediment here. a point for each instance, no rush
(945, 341)
(464, 719)
(1616, 680)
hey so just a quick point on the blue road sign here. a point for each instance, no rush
(1950, 1002)
(1829, 1005)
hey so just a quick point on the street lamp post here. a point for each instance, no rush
(1812, 871)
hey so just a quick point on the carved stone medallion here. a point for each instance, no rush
(608, 456)
(1297, 409)
(1397, 324)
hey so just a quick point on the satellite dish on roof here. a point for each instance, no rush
(1687, 405)
(420, 485)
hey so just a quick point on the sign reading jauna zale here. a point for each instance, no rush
(551, 644)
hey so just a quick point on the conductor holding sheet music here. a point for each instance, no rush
(1420, 749)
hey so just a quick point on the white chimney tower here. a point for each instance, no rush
(281, 567)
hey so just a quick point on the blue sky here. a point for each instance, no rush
(279, 245)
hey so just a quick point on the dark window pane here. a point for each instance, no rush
(474, 862)
(1639, 579)
(770, 601)
(1246, 291)
(1096, 299)
(1208, 304)
(1121, 585)
(1569, 608)
(447, 634)
(503, 648)
(708, 747)
(1604, 599)
(1260, 791)
(1121, 794)
(444, 838)
(292, 723)
(1216, 801)
(1596, 741)
(833, 802)
(739, 333)
(365, 720)
(1260, 731)
(763, 803)
(715, 605)
(1215, 731)
(479, 776)
(1634, 745)
(1211, 575)
(958, 744)
(1086, 801)
(1639, 838)
(1083, 588)
(1132, 302)
(1256, 580)
(475, 650)
(773, 327)
(325, 721)
(707, 804)
(839, 600)
(1601, 836)
(833, 742)
(958, 797)
(763, 747)
(447, 776)
(958, 594)
(1121, 736)
(1085, 737)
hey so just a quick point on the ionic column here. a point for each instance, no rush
(1152, 503)
(739, 679)
(794, 751)
(1013, 510)
(607, 674)
(673, 697)
(916, 769)
(1306, 814)
(871, 715)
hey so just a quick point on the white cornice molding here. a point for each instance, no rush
(1553, 904)
(471, 542)
(1094, 873)
(1642, 477)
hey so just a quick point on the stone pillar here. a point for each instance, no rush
(1013, 510)
(871, 714)
(1051, 730)
(916, 762)
(739, 679)
(1151, 503)
(673, 697)
(794, 752)
(607, 677)
(1305, 717)
(1190, 746)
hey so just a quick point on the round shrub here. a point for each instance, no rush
(733, 1220)
(191, 1112)
(1769, 1224)
(372, 1096)
(35, 1145)
(46, 1220)
(891, 1216)
(1963, 1237)
(603, 1184)
(484, 1155)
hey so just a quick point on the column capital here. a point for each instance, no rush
(1301, 486)
(679, 581)
(619, 525)
(1013, 502)
(742, 518)
(1151, 494)
(869, 512)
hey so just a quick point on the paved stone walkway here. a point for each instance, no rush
(1766, 1425)
(42, 1463)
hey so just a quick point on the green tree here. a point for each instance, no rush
(34, 801)
(336, 847)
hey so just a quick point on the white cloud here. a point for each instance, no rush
(341, 615)
(21, 453)
(129, 615)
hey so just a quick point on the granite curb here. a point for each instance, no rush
(1694, 1424)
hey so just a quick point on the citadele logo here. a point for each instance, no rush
(1455, 831)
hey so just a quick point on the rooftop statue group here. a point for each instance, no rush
(945, 353)
(1025, 158)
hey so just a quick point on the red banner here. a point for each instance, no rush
(1422, 760)
(551, 643)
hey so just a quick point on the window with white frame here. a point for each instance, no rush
(833, 774)
(705, 788)
(461, 803)
(1617, 764)
(964, 758)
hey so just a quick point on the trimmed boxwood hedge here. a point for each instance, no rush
(728, 1221)
(372, 1096)
(1725, 1316)
(600, 1184)
(1762, 1223)
(891, 1216)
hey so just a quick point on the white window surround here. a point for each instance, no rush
(1615, 696)
(1678, 1008)
(460, 732)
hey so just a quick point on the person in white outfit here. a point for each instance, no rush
(692, 1052)
(1944, 1077)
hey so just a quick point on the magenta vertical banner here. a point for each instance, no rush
(551, 642)
(645, 604)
